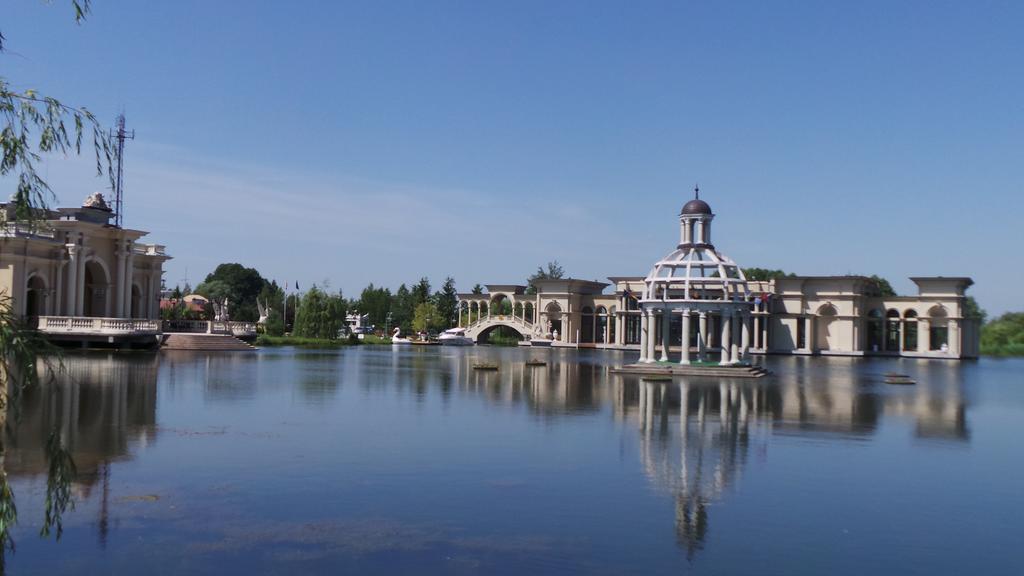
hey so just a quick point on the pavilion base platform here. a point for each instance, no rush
(709, 370)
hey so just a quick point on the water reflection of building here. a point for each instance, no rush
(556, 387)
(102, 406)
(696, 437)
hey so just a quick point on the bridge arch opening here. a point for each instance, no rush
(505, 331)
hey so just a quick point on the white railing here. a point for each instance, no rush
(26, 229)
(240, 329)
(149, 249)
(97, 326)
(527, 328)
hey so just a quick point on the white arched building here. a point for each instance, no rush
(701, 286)
(77, 277)
(698, 291)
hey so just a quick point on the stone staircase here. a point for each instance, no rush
(205, 342)
(709, 370)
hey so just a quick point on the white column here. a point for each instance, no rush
(702, 336)
(72, 298)
(685, 341)
(643, 335)
(80, 285)
(734, 341)
(129, 276)
(924, 334)
(666, 327)
(745, 341)
(953, 340)
(58, 283)
(764, 333)
(154, 295)
(652, 337)
(726, 338)
(119, 286)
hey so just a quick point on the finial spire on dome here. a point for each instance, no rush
(696, 191)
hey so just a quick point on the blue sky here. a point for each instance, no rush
(385, 141)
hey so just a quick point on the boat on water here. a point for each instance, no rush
(455, 337)
(397, 340)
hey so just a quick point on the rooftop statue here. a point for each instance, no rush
(95, 200)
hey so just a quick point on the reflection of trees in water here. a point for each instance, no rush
(554, 388)
(98, 408)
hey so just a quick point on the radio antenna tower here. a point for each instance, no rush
(121, 135)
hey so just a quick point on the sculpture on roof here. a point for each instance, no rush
(95, 200)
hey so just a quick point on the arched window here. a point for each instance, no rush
(35, 297)
(910, 330)
(892, 331)
(587, 325)
(875, 331)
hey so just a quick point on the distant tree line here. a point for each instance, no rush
(318, 312)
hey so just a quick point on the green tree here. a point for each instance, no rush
(447, 302)
(763, 274)
(1004, 336)
(402, 308)
(320, 315)
(884, 287)
(376, 302)
(973, 310)
(554, 271)
(240, 285)
(421, 291)
(426, 318)
(477, 289)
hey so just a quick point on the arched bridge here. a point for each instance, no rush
(479, 329)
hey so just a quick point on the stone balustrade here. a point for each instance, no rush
(78, 325)
(238, 329)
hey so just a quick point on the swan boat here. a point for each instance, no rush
(397, 340)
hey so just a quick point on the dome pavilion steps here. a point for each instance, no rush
(668, 369)
(206, 343)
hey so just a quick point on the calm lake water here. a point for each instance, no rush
(374, 461)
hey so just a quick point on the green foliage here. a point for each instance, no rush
(240, 285)
(447, 302)
(402, 308)
(503, 336)
(427, 317)
(764, 274)
(1004, 336)
(478, 289)
(32, 125)
(974, 310)
(60, 474)
(421, 292)
(883, 285)
(376, 302)
(268, 340)
(553, 271)
(320, 315)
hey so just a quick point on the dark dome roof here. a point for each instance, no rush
(696, 206)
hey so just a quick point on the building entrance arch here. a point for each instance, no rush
(35, 297)
(96, 297)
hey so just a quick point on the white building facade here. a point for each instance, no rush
(698, 291)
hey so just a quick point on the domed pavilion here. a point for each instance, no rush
(701, 286)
